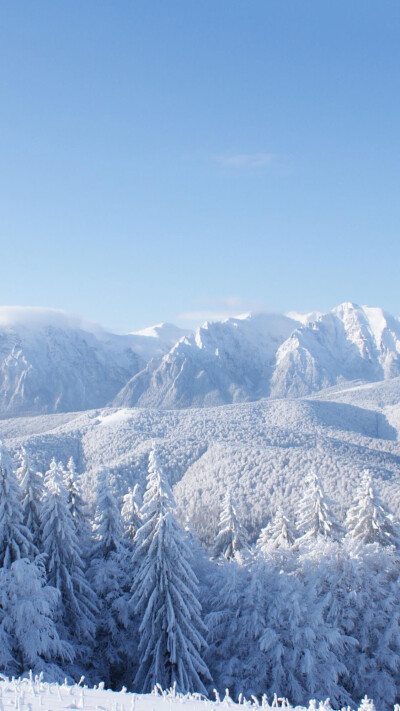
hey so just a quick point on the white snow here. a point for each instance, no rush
(115, 418)
(377, 321)
(35, 695)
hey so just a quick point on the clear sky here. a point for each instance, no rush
(174, 159)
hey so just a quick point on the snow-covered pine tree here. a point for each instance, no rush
(369, 520)
(301, 655)
(375, 669)
(165, 596)
(32, 490)
(357, 585)
(232, 536)
(130, 514)
(279, 533)
(107, 522)
(28, 608)
(65, 568)
(111, 576)
(315, 517)
(76, 503)
(53, 471)
(229, 635)
(15, 538)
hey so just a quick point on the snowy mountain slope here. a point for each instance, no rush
(48, 366)
(374, 396)
(52, 362)
(348, 343)
(223, 362)
(155, 341)
(383, 397)
(262, 450)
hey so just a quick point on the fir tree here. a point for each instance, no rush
(76, 503)
(279, 533)
(357, 586)
(15, 539)
(130, 514)
(226, 604)
(165, 596)
(108, 522)
(315, 517)
(369, 520)
(65, 568)
(301, 653)
(29, 607)
(231, 537)
(111, 576)
(32, 490)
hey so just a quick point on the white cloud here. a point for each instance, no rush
(36, 317)
(246, 160)
(198, 317)
(219, 309)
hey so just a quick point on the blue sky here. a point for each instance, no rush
(170, 160)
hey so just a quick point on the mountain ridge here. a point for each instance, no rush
(53, 362)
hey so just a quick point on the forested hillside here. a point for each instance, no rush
(127, 595)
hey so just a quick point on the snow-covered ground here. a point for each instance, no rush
(32, 694)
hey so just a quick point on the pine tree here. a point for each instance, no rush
(376, 667)
(108, 522)
(111, 576)
(229, 637)
(315, 517)
(231, 537)
(369, 520)
(357, 586)
(279, 533)
(65, 568)
(301, 653)
(267, 634)
(32, 490)
(165, 596)
(130, 514)
(15, 539)
(55, 471)
(29, 607)
(76, 503)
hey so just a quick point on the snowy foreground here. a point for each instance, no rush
(33, 694)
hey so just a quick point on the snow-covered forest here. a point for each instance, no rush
(123, 593)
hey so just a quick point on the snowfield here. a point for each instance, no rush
(33, 694)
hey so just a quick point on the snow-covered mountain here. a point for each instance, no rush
(51, 362)
(155, 341)
(270, 356)
(223, 362)
(348, 343)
